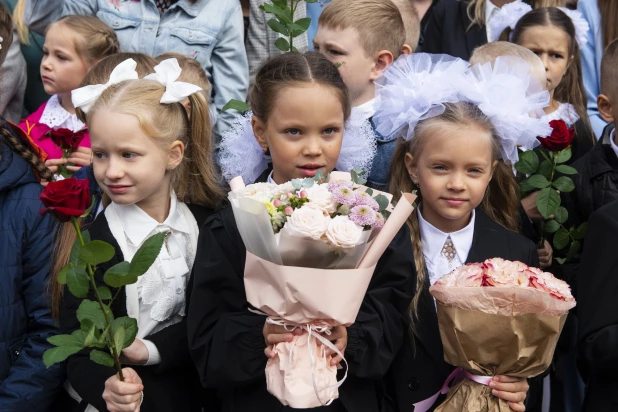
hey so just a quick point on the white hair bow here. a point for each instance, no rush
(581, 26)
(85, 96)
(507, 16)
(166, 73)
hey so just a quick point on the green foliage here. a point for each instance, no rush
(358, 176)
(236, 105)
(547, 201)
(102, 358)
(528, 163)
(283, 22)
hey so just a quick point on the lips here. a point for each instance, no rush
(118, 189)
(309, 170)
(454, 201)
(46, 79)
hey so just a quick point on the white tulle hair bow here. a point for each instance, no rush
(85, 96)
(581, 26)
(507, 94)
(507, 16)
(414, 88)
(166, 73)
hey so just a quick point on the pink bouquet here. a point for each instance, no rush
(497, 318)
(312, 249)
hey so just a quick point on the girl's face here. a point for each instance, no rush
(452, 170)
(304, 131)
(551, 44)
(131, 167)
(62, 69)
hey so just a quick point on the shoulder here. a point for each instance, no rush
(200, 213)
(498, 241)
(605, 216)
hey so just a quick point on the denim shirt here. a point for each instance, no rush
(381, 166)
(210, 31)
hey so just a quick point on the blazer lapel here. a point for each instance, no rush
(484, 244)
(263, 178)
(475, 35)
(429, 330)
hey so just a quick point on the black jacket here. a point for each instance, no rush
(419, 370)
(227, 343)
(172, 385)
(598, 311)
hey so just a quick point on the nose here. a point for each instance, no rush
(545, 60)
(45, 63)
(114, 170)
(456, 182)
(313, 146)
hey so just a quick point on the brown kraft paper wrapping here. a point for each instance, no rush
(489, 344)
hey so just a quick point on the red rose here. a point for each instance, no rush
(66, 199)
(67, 139)
(561, 137)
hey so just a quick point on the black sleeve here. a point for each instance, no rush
(533, 256)
(433, 37)
(598, 288)
(376, 336)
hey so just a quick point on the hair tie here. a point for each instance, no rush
(581, 25)
(85, 96)
(166, 73)
(507, 16)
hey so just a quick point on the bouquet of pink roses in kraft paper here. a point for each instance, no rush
(497, 318)
(312, 247)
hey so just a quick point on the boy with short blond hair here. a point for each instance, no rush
(491, 51)
(411, 22)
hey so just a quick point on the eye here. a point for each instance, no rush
(129, 155)
(45, 52)
(316, 47)
(99, 155)
(335, 52)
(475, 170)
(293, 132)
(440, 168)
(62, 57)
(330, 131)
(556, 56)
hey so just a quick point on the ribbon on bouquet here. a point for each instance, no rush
(314, 329)
(453, 379)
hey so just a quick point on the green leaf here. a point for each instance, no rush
(382, 202)
(67, 340)
(91, 311)
(86, 236)
(307, 183)
(62, 275)
(528, 163)
(573, 249)
(564, 156)
(356, 174)
(78, 282)
(119, 337)
(564, 184)
(130, 330)
(319, 175)
(87, 211)
(278, 27)
(560, 260)
(580, 232)
(303, 23)
(547, 201)
(96, 252)
(369, 191)
(311, 1)
(566, 170)
(551, 226)
(89, 338)
(147, 254)
(282, 44)
(236, 105)
(59, 354)
(283, 14)
(104, 293)
(102, 358)
(538, 181)
(545, 169)
(119, 275)
(561, 238)
(74, 259)
(561, 215)
(525, 189)
(280, 3)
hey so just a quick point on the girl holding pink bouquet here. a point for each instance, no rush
(300, 105)
(73, 45)
(458, 140)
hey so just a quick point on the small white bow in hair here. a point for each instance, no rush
(85, 96)
(166, 73)
(507, 16)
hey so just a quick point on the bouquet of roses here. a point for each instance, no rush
(497, 318)
(312, 249)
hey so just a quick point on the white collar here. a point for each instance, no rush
(565, 112)
(270, 178)
(490, 10)
(612, 141)
(137, 225)
(365, 110)
(433, 239)
(54, 115)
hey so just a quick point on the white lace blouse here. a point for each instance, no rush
(54, 115)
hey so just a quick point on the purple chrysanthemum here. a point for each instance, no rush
(379, 222)
(332, 186)
(344, 195)
(363, 198)
(363, 215)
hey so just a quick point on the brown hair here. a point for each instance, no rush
(6, 31)
(501, 198)
(571, 88)
(26, 153)
(93, 39)
(192, 71)
(378, 22)
(411, 22)
(609, 77)
(100, 72)
(290, 69)
(609, 20)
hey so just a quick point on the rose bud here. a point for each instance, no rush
(303, 194)
(277, 202)
(288, 211)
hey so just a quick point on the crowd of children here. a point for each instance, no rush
(365, 95)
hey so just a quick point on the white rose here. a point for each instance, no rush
(320, 196)
(342, 232)
(307, 222)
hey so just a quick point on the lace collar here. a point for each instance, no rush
(566, 112)
(54, 115)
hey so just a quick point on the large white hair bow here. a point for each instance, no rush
(85, 96)
(414, 88)
(507, 16)
(581, 26)
(166, 73)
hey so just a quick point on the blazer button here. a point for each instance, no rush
(414, 384)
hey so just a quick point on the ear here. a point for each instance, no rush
(176, 153)
(412, 168)
(493, 169)
(605, 108)
(407, 49)
(259, 131)
(383, 59)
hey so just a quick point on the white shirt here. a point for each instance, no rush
(490, 12)
(54, 115)
(161, 289)
(365, 110)
(612, 142)
(433, 240)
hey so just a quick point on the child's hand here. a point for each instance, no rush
(513, 390)
(52, 165)
(80, 157)
(546, 255)
(339, 337)
(529, 205)
(137, 353)
(124, 396)
(274, 334)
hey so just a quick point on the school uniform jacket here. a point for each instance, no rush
(419, 370)
(227, 342)
(171, 385)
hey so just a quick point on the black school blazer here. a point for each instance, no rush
(227, 343)
(419, 370)
(172, 385)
